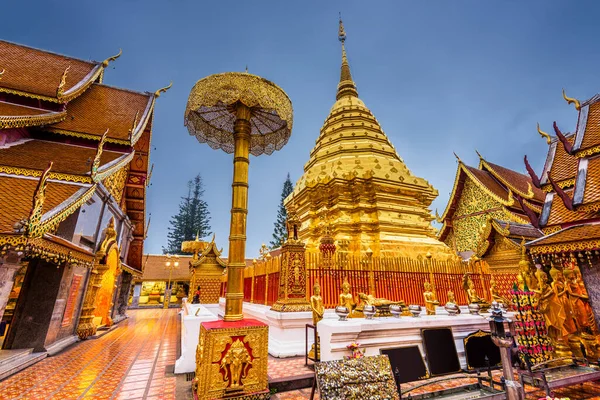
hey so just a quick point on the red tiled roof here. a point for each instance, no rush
(68, 159)
(592, 185)
(39, 72)
(104, 107)
(17, 116)
(564, 166)
(559, 214)
(518, 181)
(16, 198)
(571, 234)
(489, 182)
(591, 137)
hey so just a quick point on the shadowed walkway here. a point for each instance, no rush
(127, 363)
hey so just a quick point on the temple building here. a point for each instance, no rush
(356, 186)
(74, 158)
(569, 218)
(487, 215)
(200, 273)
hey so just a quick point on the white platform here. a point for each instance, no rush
(388, 332)
(192, 315)
(286, 329)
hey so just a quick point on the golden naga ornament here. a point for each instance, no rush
(544, 134)
(571, 100)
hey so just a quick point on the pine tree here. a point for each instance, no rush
(280, 230)
(192, 219)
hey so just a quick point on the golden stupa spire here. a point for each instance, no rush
(346, 87)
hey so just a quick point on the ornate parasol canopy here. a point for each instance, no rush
(210, 112)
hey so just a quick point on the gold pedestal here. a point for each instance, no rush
(292, 279)
(231, 361)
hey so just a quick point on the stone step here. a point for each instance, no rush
(18, 360)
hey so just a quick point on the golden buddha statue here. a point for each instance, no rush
(496, 294)
(316, 304)
(582, 294)
(346, 298)
(579, 300)
(560, 288)
(472, 296)
(525, 274)
(430, 299)
(552, 310)
(452, 301)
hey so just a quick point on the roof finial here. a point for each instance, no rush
(572, 100)
(162, 90)
(544, 134)
(341, 32)
(113, 58)
(480, 156)
(246, 68)
(346, 87)
(457, 157)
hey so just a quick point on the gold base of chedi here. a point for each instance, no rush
(231, 361)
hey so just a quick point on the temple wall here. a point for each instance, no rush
(66, 309)
(591, 278)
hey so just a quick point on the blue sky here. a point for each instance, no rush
(440, 76)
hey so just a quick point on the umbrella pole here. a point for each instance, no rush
(236, 259)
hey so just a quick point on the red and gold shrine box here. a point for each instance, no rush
(231, 360)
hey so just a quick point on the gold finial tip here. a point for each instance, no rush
(341, 31)
(544, 134)
(480, 156)
(571, 100)
(113, 58)
(457, 157)
(162, 90)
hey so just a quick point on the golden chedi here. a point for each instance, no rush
(356, 182)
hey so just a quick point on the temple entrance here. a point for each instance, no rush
(105, 296)
(9, 311)
(34, 306)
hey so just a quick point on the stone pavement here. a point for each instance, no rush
(135, 361)
(130, 362)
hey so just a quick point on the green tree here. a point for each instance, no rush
(192, 219)
(280, 231)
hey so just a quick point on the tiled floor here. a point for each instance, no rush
(586, 391)
(288, 368)
(131, 361)
(127, 363)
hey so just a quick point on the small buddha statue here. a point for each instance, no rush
(551, 308)
(560, 288)
(430, 299)
(472, 296)
(316, 304)
(496, 294)
(579, 301)
(346, 298)
(452, 304)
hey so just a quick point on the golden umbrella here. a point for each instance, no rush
(243, 114)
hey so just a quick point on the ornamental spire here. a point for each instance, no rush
(346, 87)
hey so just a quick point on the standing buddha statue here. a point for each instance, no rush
(316, 304)
(551, 308)
(346, 298)
(560, 288)
(430, 299)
